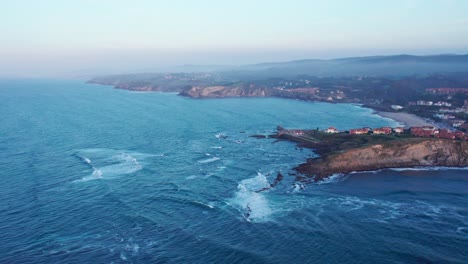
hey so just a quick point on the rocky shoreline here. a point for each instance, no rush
(338, 156)
(415, 152)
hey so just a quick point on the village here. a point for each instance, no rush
(443, 111)
(423, 131)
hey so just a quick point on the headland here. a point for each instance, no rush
(368, 149)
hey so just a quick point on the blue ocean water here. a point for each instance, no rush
(91, 174)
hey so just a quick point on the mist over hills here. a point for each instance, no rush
(374, 66)
(392, 66)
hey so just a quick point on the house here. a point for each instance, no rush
(445, 133)
(426, 103)
(460, 135)
(446, 110)
(424, 131)
(331, 130)
(359, 131)
(457, 122)
(396, 107)
(442, 104)
(399, 130)
(382, 131)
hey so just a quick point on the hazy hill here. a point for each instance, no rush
(374, 66)
(399, 65)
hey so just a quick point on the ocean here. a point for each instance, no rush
(91, 174)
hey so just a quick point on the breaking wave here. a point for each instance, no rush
(253, 205)
(210, 160)
(334, 178)
(109, 163)
(429, 169)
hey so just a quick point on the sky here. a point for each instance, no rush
(82, 37)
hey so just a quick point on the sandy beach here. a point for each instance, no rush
(409, 120)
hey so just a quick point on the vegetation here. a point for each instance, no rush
(325, 144)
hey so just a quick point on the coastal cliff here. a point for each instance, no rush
(227, 91)
(251, 90)
(415, 152)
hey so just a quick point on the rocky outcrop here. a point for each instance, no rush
(395, 154)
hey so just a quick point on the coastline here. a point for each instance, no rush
(416, 153)
(408, 120)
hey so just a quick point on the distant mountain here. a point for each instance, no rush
(398, 65)
(372, 66)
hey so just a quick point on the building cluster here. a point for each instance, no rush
(367, 130)
(444, 116)
(454, 110)
(382, 131)
(431, 103)
(430, 131)
(294, 132)
(360, 131)
(424, 131)
(425, 103)
(441, 103)
(448, 115)
(447, 90)
(446, 112)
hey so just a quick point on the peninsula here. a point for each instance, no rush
(369, 150)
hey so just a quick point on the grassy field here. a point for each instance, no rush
(324, 143)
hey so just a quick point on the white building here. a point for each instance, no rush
(331, 130)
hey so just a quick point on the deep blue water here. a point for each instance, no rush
(90, 174)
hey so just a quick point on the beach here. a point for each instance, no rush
(409, 120)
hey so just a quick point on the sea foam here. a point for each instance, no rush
(109, 163)
(253, 205)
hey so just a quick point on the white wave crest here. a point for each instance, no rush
(334, 178)
(253, 204)
(429, 168)
(108, 163)
(220, 136)
(213, 159)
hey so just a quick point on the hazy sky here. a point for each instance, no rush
(73, 37)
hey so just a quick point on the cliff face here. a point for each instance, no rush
(227, 91)
(251, 91)
(407, 153)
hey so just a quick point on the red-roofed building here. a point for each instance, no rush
(445, 133)
(359, 131)
(460, 135)
(382, 131)
(331, 130)
(424, 131)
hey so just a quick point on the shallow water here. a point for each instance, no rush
(93, 174)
